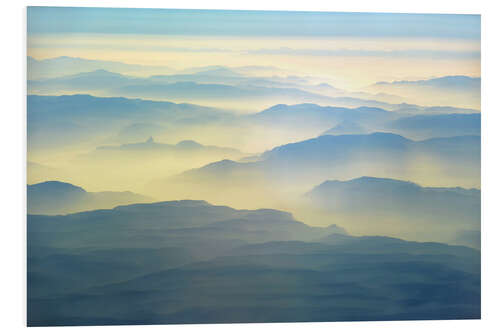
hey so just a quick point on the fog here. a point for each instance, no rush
(192, 166)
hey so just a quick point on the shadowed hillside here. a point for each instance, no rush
(189, 261)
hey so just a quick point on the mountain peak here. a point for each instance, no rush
(366, 185)
(101, 73)
(346, 127)
(163, 204)
(55, 185)
(368, 180)
(188, 144)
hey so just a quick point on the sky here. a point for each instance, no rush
(243, 23)
(352, 49)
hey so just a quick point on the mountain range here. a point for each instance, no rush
(343, 156)
(116, 258)
(456, 90)
(414, 123)
(95, 121)
(228, 88)
(214, 88)
(39, 69)
(92, 119)
(184, 146)
(442, 125)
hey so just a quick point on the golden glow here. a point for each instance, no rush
(348, 72)
(352, 64)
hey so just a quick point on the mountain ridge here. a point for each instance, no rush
(57, 197)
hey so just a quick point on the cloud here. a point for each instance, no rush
(108, 45)
(433, 54)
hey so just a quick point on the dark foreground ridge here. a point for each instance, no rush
(192, 262)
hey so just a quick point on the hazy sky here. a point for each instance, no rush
(351, 49)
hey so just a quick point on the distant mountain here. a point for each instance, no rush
(54, 197)
(458, 91)
(94, 118)
(80, 123)
(348, 100)
(99, 79)
(283, 112)
(203, 75)
(402, 108)
(408, 120)
(239, 70)
(220, 88)
(346, 127)
(329, 147)
(397, 189)
(339, 148)
(62, 66)
(139, 131)
(294, 167)
(181, 146)
(183, 149)
(225, 87)
(431, 110)
(436, 213)
(448, 82)
(95, 121)
(367, 118)
(87, 107)
(321, 117)
(425, 126)
(332, 152)
(186, 254)
(216, 69)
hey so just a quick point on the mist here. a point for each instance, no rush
(194, 166)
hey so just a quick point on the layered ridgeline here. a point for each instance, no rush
(189, 261)
(296, 167)
(65, 145)
(64, 66)
(411, 121)
(96, 121)
(225, 88)
(460, 90)
(241, 88)
(118, 153)
(70, 145)
(418, 126)
(280, 177)
(139, 162)
(54, 197)
(151, 148)
(443, 125)
(214, 88)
